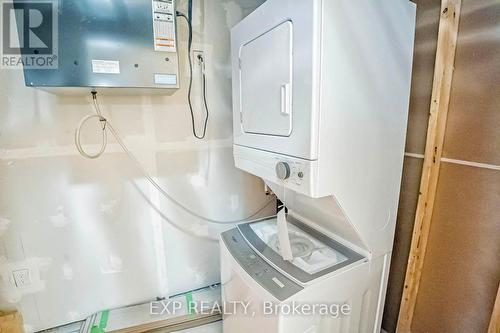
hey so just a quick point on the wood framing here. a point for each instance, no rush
(495, 316)
(443, 73)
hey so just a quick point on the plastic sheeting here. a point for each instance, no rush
(102, 226)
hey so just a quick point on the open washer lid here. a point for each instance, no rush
(314, 254)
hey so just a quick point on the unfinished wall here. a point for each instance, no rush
(423, 71)
(462, 266)
(95, 231)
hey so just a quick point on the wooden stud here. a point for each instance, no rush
(443, 73)
(495, 316)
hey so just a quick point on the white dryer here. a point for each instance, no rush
(320, 106)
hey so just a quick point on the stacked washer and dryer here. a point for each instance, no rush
(320, 98)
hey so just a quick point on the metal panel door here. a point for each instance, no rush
(266, 81)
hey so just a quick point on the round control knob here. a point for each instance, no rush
(282, 170)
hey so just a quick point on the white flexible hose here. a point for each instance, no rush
(106, 125)
(78, 142)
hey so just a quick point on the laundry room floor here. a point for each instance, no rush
(209, 328)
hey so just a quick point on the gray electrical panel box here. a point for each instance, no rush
(100, 44)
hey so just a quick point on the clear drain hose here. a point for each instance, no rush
(106, 126)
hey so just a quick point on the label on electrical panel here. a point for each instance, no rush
(164, 25)
(169, 79)
(105, 66)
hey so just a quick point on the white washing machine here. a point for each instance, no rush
(325, 288)
(320, 106)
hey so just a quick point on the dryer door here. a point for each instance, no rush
(275, 59)
(266, 82)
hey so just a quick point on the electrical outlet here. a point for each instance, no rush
(199, 60)
(21, 277)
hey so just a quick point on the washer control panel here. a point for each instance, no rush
(263, 273)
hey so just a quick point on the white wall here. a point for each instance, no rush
(89, 226)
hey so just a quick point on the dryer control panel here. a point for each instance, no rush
(297, 174)
(290, 170)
